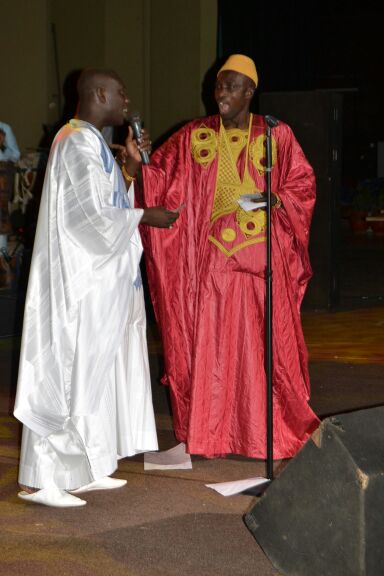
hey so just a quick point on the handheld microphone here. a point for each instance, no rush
(135, 121)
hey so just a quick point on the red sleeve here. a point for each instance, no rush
(296, 184)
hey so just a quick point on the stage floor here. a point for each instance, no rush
(168, 523)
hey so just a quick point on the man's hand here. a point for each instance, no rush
(275, 200)
(129, 155)
(159, 217)
(133, 147)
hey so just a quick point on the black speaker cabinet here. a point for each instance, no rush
(324, 515)
(316, 120)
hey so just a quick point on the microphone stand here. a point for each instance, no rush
(271, 122)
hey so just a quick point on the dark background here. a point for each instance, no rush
(320, 71)
(300, 45)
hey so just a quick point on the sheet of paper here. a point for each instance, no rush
(252, 201)
(175, 458)
(237, 486)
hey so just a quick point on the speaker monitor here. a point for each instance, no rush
(324, 514)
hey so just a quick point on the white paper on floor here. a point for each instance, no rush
(237, 486)
(175, 458)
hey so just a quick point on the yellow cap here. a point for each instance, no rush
(242, 64)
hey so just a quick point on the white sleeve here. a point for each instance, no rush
(85, 209)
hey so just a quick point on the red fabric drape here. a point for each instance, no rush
(210, 305)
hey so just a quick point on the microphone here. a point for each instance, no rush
(135, 121)
(271, 121)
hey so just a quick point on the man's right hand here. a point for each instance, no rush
(159, 217)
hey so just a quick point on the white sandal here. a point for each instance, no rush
(106, 483)
(52, 496)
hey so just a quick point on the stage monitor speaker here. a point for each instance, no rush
(324, 514)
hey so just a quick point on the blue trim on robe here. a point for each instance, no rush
(120, 194)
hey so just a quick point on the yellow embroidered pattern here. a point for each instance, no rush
(257, 152)
(203, 145)
(229, 188)
(251, 223)
(236, 248)
(228, 234)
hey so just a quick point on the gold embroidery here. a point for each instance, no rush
(252, 223)
(238, 140)
(229, 144)
(229, 186)
(203, 145)
(228, 234)
(236, 248)
(257, 152)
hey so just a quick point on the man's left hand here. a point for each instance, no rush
(275, 200)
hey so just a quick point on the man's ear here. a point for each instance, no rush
(100, 94)
(250, 92)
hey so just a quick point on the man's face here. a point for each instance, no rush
(116, 101)
(233, 94)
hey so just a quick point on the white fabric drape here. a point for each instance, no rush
(83, 370)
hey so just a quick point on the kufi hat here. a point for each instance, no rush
(242, 64)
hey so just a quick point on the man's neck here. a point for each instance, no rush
(240, 122)
(93, 119)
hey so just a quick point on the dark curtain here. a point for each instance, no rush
(325, 44)
(275, 35)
